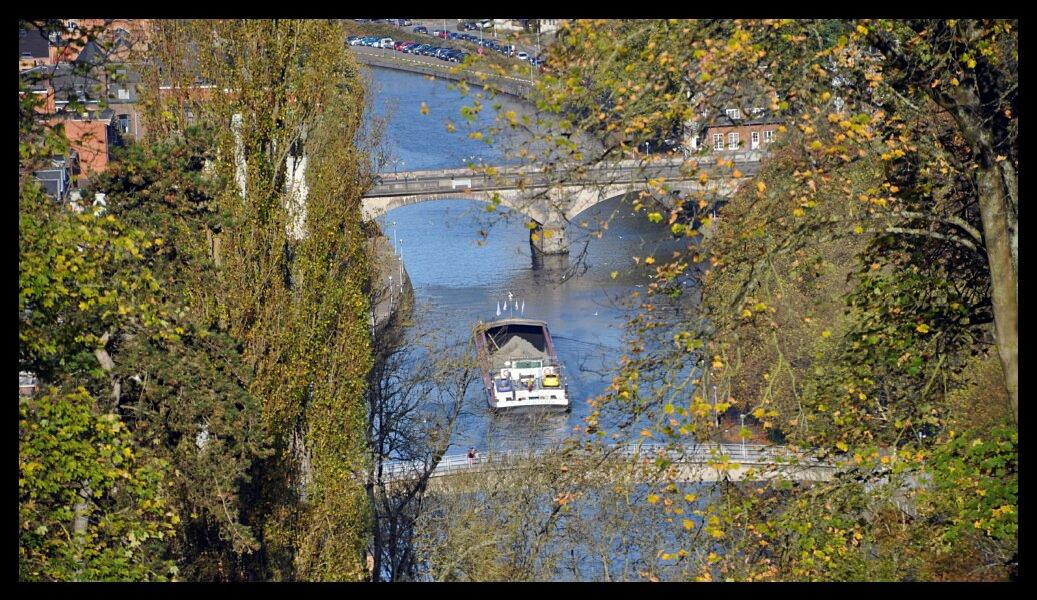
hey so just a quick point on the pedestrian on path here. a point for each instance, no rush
(471, 456)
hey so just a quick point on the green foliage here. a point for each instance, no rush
(848, 290)
(74, 462)
(975, 488)
(289, 280)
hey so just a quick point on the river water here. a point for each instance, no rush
(463, 261)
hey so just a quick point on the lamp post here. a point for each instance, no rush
(394, 242)
(401, 267)
(390, 293)
(741, 416)
(538, 45)
(716, 417)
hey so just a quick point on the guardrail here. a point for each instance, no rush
(391, 59)
(413, 182)
(701, 454)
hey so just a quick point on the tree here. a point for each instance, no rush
(848, 288)
(292, 278)
(90, 508)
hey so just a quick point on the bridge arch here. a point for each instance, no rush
(377, 206)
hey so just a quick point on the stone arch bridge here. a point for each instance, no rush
(539, 195)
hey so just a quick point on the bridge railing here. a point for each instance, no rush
(418, 182)
(747, 454)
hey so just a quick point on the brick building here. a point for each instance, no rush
(91, 136)
(735, 131)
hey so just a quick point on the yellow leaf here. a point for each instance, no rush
(826, 333)
(424, 108)
(689, 524)
(761, 186)
(653, 499)
(649, 260)
(842, 446)
(614, 274)
(922, 328)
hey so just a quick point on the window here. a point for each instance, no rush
(718, 141)
(733, 113)
(732, 141)
(756, 139)
(768, 136)
(124, 123)
(124, 94)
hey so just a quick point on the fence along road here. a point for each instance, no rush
(422, 65)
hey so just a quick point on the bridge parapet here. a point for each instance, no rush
(700, 461)
(548, 199)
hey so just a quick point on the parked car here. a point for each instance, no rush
(386, 43)
(522, 56)
(421, 29)
(353, 40)
(398, 46)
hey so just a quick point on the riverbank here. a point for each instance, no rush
(386, 58)
(392, 294)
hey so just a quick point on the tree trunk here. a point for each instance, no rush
(998, 230)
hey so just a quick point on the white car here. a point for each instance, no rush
(385, 43)
(522, 56)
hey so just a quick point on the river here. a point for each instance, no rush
(463, 261)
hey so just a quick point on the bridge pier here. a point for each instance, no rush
(548, 239)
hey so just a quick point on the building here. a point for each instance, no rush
(58, 178)
(732, 131)
(35, 48)
(28, 385)
(544, 25)
(92, 136)
(736, 131)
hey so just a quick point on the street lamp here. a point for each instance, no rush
(742, 418)
(390, 293)
(401, 268)
(716, 417)
(394, 242)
